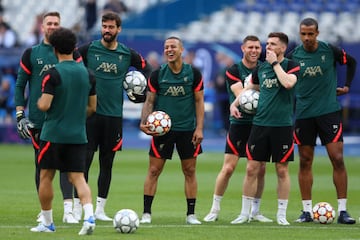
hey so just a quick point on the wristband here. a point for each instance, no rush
(274, 63)
(20, 115)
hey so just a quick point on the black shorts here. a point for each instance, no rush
(163, 146)
(104, 132)
(64, 157)
(328, 127)
(236, 139)
(35, 138)
(275, 143)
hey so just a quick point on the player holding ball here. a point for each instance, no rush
(177, 89)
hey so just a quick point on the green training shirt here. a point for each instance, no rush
(34, 63)
(71, 84)
(317, 83)
(175, 94)
(237, 72)
(110, 68)
(276, 103)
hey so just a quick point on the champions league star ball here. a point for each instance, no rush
(126, 221)
(159, 122)
(249, 101)
(135, 82)
(323, 213)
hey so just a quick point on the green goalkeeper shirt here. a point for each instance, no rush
(110, 68)
(34, 63)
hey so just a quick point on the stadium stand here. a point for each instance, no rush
(337, 19)
(71, 11)
(218, 21)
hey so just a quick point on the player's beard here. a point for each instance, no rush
(47, 34)
(108, 37)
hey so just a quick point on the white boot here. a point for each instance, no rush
(77, 210)
(68, 216)
(100, 212)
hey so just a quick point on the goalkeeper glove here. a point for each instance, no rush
(136, 98)
(23, 125)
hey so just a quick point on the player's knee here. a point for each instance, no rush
(338, 163)
(154, 172)
(228, 170)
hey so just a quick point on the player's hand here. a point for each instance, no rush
(234, 111)
(270, 56)
(136, 98)
(146, 129)
(197, 137)
(23, 125)
(342, 90)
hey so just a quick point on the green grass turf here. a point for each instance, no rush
(19, 204)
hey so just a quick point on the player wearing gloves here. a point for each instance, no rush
(110, 61)
(23, 125)
(136, 98)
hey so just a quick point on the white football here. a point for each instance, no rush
(323, 213)
(135, 82)
(126, 221)
(249, 100)
(159, 122)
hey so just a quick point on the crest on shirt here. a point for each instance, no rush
(323, 58)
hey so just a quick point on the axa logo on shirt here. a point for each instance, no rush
(45, 68)
(270, 82)
(175, 91)
(107, 67)
(312, 71)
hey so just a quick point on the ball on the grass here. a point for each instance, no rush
(323, 213)
(126, 221)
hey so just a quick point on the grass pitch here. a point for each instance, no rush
(19, 204)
